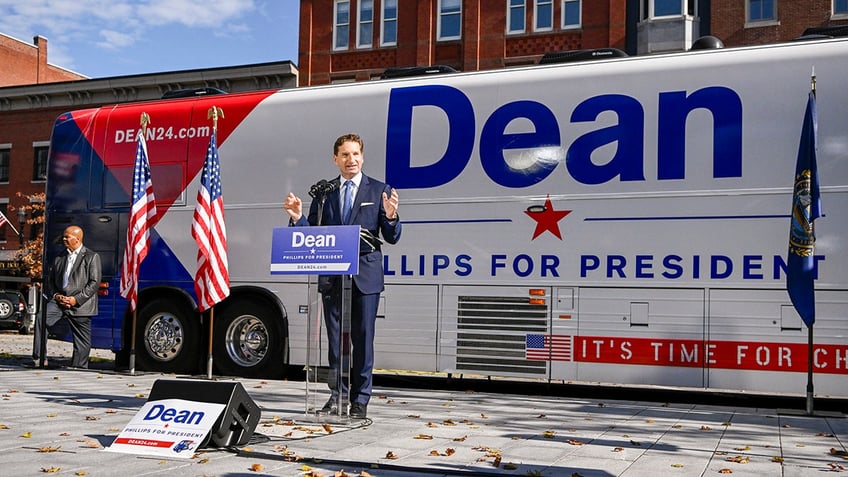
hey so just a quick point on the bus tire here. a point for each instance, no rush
(249, 340)
(169, 337)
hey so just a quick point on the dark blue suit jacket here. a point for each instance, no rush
(368, 213)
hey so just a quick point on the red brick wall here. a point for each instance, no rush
(728, 21)
(484, 44)
(25, 64)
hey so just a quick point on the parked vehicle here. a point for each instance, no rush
(13, 311)
(622, 220)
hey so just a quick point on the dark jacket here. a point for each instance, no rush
(368, 213)
(83, 283)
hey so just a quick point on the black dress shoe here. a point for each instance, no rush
(358, 410)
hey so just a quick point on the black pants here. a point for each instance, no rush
(58, 321)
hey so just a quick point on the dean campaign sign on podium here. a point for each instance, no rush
(328, 250)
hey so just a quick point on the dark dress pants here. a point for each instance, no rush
(363, 318)
(57, 322)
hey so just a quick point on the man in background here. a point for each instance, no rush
(71, 292)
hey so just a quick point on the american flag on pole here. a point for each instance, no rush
(3, 219)
(212, 281)
(539, 347)
(142, 217)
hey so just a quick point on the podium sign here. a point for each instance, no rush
(324, 250)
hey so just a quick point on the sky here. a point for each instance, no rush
(106, 38)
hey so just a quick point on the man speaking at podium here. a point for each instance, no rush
(353, 199)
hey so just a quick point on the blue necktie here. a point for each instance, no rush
(348, 201)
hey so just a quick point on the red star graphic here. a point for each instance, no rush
(546, 219)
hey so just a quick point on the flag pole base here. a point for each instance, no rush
(132, 363)
(209, 367)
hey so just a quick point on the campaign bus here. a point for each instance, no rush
(623, 220)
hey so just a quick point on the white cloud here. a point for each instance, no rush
(115, 40)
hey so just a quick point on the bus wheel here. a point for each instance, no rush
(169, 337)
(248, 340)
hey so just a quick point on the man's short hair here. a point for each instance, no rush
(350, 137)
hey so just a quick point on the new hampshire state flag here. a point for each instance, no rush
(806, 208)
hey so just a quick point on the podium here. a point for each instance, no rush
(329, 255)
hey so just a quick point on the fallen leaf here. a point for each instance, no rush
(64, 434)
(574, 442)
(92, 418)
(423, 436)
(497, 461)
(649, 421)
(203, 460)
(391, 455)
(52, 414)
(80, 472)
(449, 422)
(26, 435)
(327, 428)
(340, 473)
(450, 451)
(50, 470)
(256, 467)
(92, 444)
(362, 473)
(618, 449)
(49, 449)
(824, 434)
(740, 449)
(305, 468)
(549, 434)
(677, 466)
(777, 458)
(842, 453)
(739, 459)
(460, 439)
(725, 471)
(836, 467)
(706, 428)
(3, 426)
(430, 424)
(434, 453)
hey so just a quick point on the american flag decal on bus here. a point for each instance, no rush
(539, 347)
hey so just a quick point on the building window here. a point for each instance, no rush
(762, 10)
(341, 21)
(450, 20)
(516, 12)
(365, 32)
(543, 15)
(840, 7)
(5, 152)
(39, 163)
(571, 14)
(668, 8)
(390, 14)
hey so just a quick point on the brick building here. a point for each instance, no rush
(25, 63)
(356, 40)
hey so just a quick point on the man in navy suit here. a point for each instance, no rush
(373, 205)
(72, 285)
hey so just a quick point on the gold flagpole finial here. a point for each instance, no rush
(813, 80)
(215, 112)
(144, 121)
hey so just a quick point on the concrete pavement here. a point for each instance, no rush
(59, 420)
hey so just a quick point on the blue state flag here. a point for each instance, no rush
(806, 208)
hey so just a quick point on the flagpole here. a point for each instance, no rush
(213, 112)
(144, 121)
(810, 387)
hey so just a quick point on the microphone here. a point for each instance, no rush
(323, 187)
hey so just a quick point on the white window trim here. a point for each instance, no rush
(439, 36)
(336, 26)
(36, 144)
(536, 16)
(579, 15)
(360, 23)
(384, 21)
(509, 9)
(758, 23)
